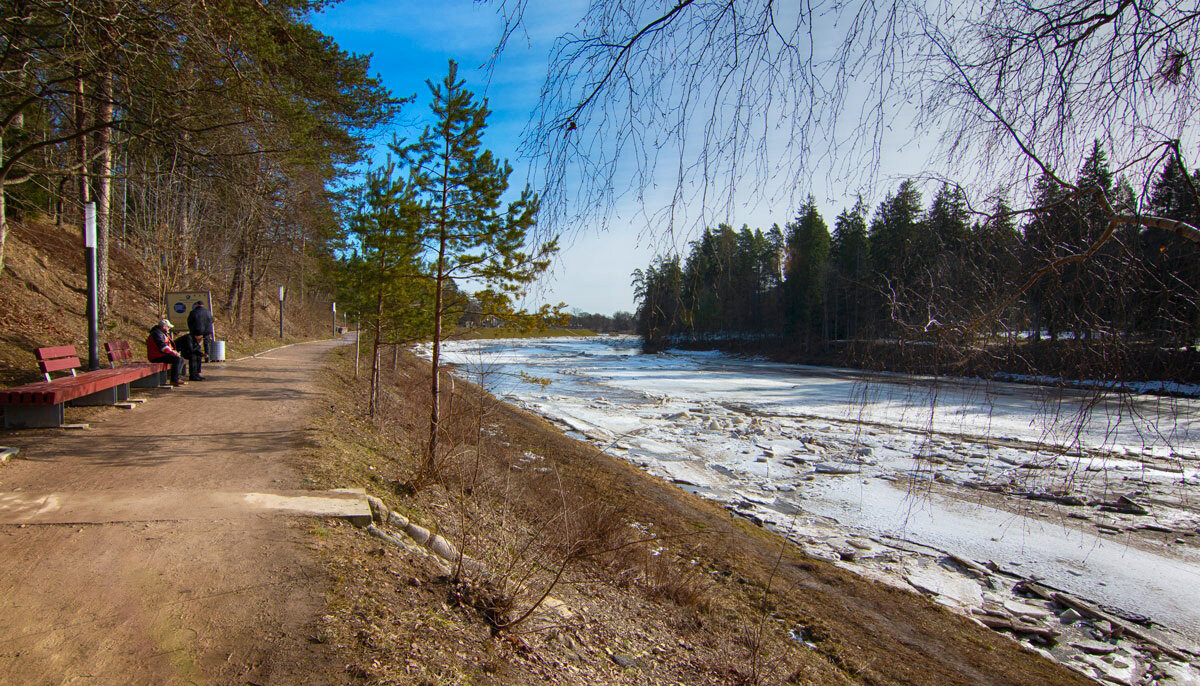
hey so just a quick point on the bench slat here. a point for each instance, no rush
(70, 388)
(115, 356)
(55, 351)
(59, 364)
(117, 345)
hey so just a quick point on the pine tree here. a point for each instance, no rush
(467, 233)
(946, 282)
(805, 272)
(383, 278)
(850, 261)
(1084, 224)
(1171, 265)
(658, 291)
(994, 261)
(900, 248)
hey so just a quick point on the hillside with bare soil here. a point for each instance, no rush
(43, 299)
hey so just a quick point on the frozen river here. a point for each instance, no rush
(966, 467)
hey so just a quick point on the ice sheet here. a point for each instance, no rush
(776, 440)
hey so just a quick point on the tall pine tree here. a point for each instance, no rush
(805, 273)
(1171, 265)
(850, 294)
(468, 233)
(901, 250)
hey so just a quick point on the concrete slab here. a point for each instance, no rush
(104, 507)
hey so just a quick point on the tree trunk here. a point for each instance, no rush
(303, 260)
(233, 300)
(253, 293)
(104, 193)
(3, 211)
(58, 202)
(438, 284)
(81, 147)
(435, 361)
(372, 403)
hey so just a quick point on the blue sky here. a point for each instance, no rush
(411, 42)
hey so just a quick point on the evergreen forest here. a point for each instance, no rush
(913, 272)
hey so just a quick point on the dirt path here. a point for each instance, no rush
(220, 598)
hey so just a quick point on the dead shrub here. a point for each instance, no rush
(593, 529)
(678, 581)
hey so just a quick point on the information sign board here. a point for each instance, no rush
(179, 305)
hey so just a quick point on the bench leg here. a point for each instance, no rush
(33, 416)
(108, 396)
(153, 381)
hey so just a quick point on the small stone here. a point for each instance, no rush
(623, 661)
(1070, 616)
(1025, 609)
(836, 468)
(1094, 647)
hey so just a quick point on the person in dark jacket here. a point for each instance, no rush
(200, 323)
(160, 349)
(191, 348)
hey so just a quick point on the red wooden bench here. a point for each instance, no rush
(40, 405)
(121, 355)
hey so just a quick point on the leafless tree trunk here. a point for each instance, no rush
(373, 402)
(104, 190)
(253, 293)
(81, 142)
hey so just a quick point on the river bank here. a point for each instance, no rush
(1110, 364)
(897, 478)
(660, 586)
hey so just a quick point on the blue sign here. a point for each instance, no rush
(179, 308)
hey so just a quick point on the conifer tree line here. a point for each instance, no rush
(617, 322)
(909, 271)
(209, 135)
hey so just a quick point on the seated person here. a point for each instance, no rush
(191, 347)
(160, 349)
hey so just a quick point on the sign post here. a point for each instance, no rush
(282, 290)
(93, 316)
(335, 320)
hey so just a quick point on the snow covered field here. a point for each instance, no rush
(1094, 494)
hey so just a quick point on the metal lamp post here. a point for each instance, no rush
(93, 316)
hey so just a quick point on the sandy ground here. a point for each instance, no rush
(224, 598)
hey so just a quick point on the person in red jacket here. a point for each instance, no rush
(160, 349)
